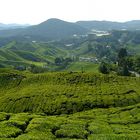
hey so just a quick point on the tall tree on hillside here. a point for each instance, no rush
(122, 57)
(122, 63)
(58, 60)
(104, 68)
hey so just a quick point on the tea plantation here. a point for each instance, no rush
(68, 106)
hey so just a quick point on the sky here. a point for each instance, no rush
(37, 11)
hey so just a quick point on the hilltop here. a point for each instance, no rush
(51, 29)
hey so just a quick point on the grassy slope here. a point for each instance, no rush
(22, 53)
(83, 66)
(28, 53)
(69, 106)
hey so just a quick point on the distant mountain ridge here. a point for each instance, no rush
(12, 26)
(110, 25)
(51, 29)
(55, 29)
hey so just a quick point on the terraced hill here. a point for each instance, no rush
(23, 53)
(69, 106)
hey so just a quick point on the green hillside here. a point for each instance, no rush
(68, 105)
(92, 50)
(18, 53)
(26, 53)
(83, 66)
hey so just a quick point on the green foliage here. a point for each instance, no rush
(60, 61)
(83, 66)
(22, 54)
(36, 69)
(105, 124)
(104, 68)
(122, 53)
(8, 130)
(123, 71)
(136, 64)
(69, 106)
(123, 63)
(71, 92)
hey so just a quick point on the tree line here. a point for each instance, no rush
(124, 64)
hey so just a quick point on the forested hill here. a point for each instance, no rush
(109, 25)
(51, 29)
(54, 29)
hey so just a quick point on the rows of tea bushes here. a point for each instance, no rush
(67, 93)
(121, 123)
(69, 106)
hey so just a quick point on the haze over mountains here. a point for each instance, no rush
(54, 29)
(109, 25)
(12, 26)
(48, 30)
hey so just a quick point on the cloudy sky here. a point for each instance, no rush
(36, 11)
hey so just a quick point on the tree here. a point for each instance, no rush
(137, 64)
(67, 60)
(130, 63)
(58, 60)
(122, 53)
(123, 63)
(103, 68)
(36, 69)
(123, 71)
(122, 57)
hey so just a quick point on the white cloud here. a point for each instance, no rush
(35, 11)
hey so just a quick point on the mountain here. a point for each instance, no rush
(51, 29)
(109, 25)
(99, 25)
(55, 29)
